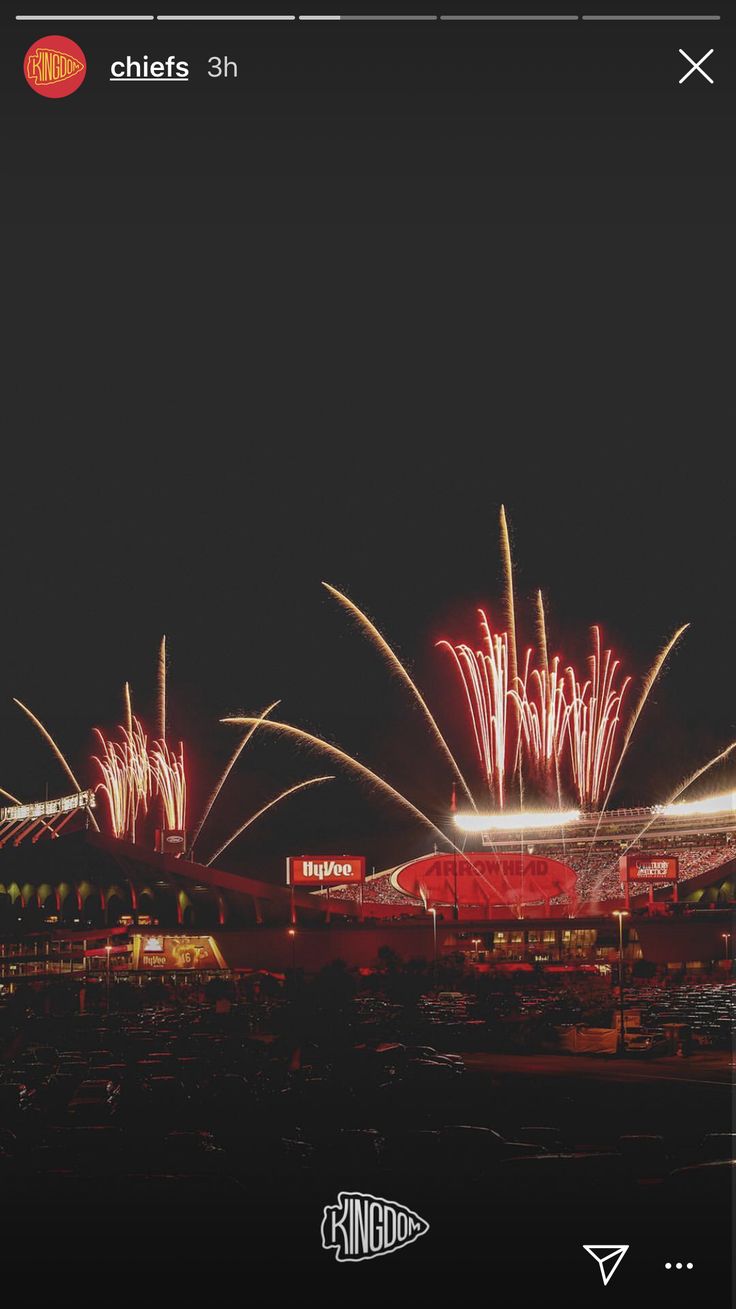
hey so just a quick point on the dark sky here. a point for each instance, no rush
(319, 324)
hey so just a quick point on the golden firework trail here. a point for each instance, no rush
(542, 633)
(171, 784)
(543, 715)
(396, 665)
(128, 709)
(684, 786)
(115, 785)
(126, 777)
(595, 710)
(311, 781)
(139, 762)
(648, 683)
(226, 773)
(317, 743)
(485, 678)
(162, 689)
(57, 752)
(508, 568)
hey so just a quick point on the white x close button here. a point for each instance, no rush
(696, 67)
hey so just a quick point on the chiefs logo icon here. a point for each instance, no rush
(55, 66)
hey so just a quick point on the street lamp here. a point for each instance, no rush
(108, 951)
(292, 934)
(476, 943)
(726, 938)
(434, 934)
(621, 914)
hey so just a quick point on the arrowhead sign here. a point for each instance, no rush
(608, 1258)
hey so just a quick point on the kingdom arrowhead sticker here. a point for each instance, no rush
(608, 1258)
(365, 1226)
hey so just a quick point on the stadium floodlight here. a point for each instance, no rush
(527, 821)
(712, 804)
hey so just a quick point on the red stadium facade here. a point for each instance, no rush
(74, 902)
(483, 881)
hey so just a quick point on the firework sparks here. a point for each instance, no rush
(557, 718)
(684, 786)
(115, 784)
(162, 689)
(317, 743)
(141, 774)
(542, 632)
(57, 752)
(543, 715)
(396, 665)
(227, 771)
(485, 677)
(658, 809)
(283, 795)
(171, 784)
(126, 777)
(649, 682)
(128, 709)
(594, 713)
(508, 569)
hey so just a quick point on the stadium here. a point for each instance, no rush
(109, 876)
(77, 901)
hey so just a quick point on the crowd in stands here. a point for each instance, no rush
(597, 871)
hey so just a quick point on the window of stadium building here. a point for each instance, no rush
(542, 938)
(578, 942)
(509, 945)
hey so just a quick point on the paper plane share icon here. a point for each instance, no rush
(608, 1258)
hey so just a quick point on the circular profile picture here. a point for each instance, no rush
(54, 66)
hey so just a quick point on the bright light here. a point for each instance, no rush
(712, 804)
(524, 822)
(47, 808)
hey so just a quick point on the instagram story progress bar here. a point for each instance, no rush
(367, 18)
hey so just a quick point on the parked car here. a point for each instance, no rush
(456, 1061)
(95, 1099)
(469, 1149)
(646, 1044)
(544, 1138)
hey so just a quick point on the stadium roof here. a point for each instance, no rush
(106, 866)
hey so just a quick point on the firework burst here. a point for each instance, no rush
(508, 568)
(398, 668)
(171, 784)
(226, 773)
(161, 710)
(594, 714)
(127, 775)
(485, 677)
(647, 686)
(283, 795)
(348, 761)
(543, 715)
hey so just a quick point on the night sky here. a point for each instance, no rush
(320, 324)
